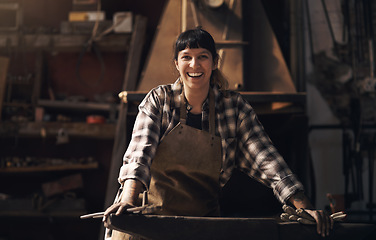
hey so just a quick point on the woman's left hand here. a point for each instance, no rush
(321, 219)
(324, 222)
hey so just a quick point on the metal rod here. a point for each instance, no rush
(371, 159)
(309, 27)
(329, 22)
(194, 13)
(184, 15)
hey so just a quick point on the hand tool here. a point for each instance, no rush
(146, 209)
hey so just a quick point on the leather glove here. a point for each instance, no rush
(301, 216)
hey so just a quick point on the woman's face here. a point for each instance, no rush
(195, 66)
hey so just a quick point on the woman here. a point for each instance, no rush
(189, 136)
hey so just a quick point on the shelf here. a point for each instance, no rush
(259, 97)
(63, 42)
(21, 105)
(49, 207)
(252, 97)
(51, 129)
(260, 101)
(84, 106)
(65, 167)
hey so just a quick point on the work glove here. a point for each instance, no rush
(301, 216)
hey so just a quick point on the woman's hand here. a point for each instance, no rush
(117, 208)
(131, 189)
(324, 222)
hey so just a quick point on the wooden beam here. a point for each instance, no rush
(4, 64)
(63, 42)
(81, 106)
(252, 97)
(134, 55)
(130, 80)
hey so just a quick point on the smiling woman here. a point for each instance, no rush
(196, 60)
(195, 66)
(184, 164)
(199, 38)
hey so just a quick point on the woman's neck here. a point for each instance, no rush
(196, 98)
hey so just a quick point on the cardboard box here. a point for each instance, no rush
(77, 16)
(10, 16)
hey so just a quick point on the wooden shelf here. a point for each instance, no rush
(42, 207)
(64, 167)
(260, 101)
(15, 104)
(35, 213)
(84, 106)
(51, 129)
(252, 97)
(63, 42)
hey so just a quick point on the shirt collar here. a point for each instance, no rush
(177, 88)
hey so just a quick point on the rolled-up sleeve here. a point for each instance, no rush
(137, 171)
(145, 139)
(261, 160)
(286, 187)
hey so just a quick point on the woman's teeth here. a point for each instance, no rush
(195, 74)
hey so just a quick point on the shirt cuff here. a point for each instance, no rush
(286, 187)
(137, 171)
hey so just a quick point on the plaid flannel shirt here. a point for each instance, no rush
(245, 145)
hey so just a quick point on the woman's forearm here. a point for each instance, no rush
(131, 189)
(300, 200)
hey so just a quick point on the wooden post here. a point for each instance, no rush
(129, 84)
(4, 64)
(39, 62)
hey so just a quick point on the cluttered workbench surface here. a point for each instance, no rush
(181, 227)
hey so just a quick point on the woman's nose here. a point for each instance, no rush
(195, 63)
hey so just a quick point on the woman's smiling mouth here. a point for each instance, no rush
(194, 75)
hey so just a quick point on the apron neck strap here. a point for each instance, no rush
(211, 112)
(183, 110)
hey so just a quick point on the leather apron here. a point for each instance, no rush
(185, 170)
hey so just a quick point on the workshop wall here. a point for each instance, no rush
(326, 144)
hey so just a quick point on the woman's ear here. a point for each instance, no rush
(176, 64)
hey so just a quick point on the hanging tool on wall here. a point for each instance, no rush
(62, 136)
(90, 45)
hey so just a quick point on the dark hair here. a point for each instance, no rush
(199, 38)
(195, 38)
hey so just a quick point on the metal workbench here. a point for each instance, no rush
(222, 228)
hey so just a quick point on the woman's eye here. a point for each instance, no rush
(204, 56)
